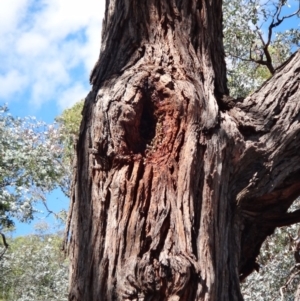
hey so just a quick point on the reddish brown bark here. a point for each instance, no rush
(177, 185)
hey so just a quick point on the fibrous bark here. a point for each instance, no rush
(177, 185)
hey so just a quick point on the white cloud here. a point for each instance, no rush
(11, 83)
(64, 17)
(48, 46)
(11, 12)
(72, 95)
(88, 53)
(31, 44)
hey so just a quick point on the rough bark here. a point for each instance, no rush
(177, 185)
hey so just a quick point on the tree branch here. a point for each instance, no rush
(240, 58)
(267, 178)
(260, 62)
(285, 220)
(6, 245)
(290, 279)
(268, 62)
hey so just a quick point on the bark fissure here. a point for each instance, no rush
(177, 184)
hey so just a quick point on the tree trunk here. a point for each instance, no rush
(177, 185)
(297, 294)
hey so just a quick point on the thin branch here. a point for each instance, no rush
(5, 183)
(251, 59)
(268, 62)
(260, 36)
(287, 17)
(49, 210)
(272, 25)
(240, 58)
(279, 21)
(44, 202)
(69, 219)
(6, 245)
(66, 240)
(291, 278)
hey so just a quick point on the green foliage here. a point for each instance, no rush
(279, 275)
(34, 268)
(71, 118)
(30, 165)
(251, 32)
(276, 261)
(35, 158)
(69, 122)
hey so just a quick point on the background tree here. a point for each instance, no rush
(69, 123)
(255, 42)
(34, 268)
(30, 166)
(35, 159)
(278, 275)
(177, 185)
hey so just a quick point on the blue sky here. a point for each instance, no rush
(47, 50)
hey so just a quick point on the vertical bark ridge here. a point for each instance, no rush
(156, 218)
(134, 25)
(153, 252)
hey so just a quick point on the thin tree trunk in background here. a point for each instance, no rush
(177, 185)
(297, 295)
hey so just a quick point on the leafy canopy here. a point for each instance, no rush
(34, 268)
(257, 40)
(30, 165)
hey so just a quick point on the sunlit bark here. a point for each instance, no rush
(177, 185)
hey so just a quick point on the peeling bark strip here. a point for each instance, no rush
(177, 185)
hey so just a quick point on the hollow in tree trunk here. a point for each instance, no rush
(177, 184)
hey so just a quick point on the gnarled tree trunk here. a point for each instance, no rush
(177, 185)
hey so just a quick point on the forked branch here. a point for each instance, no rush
(276, 21)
